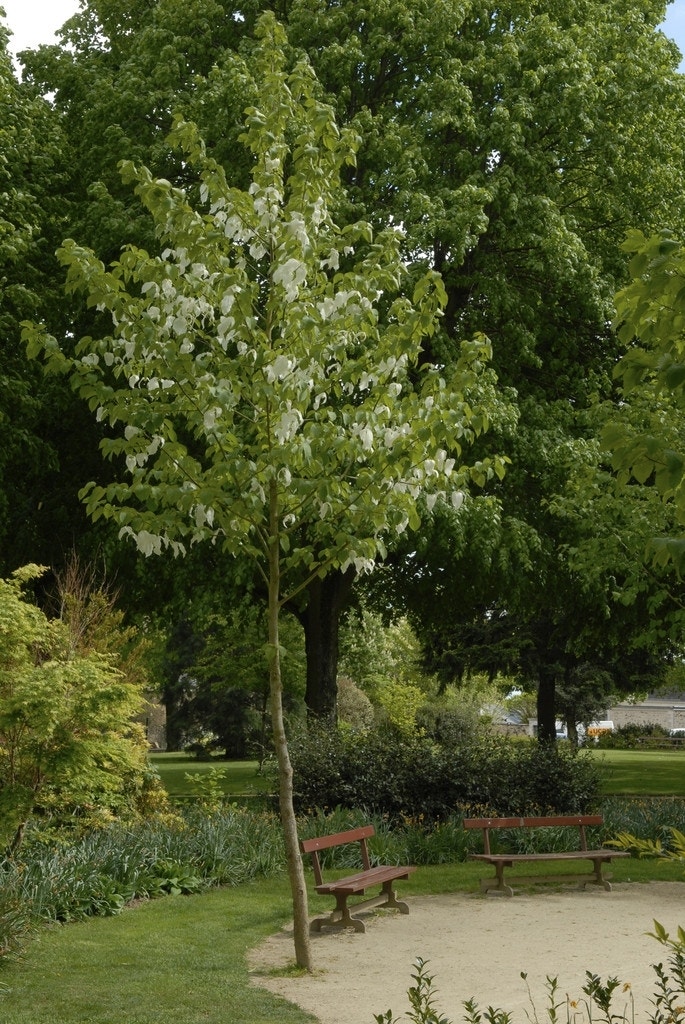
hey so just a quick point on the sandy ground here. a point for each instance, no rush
(477, 946)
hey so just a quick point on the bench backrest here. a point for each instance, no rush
(581, 821)
(353, 835)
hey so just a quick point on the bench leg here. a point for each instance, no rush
(497, 884)
(340, 917)
(597, 878)
(391, 899)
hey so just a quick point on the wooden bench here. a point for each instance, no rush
(354, 885)
(500, 861)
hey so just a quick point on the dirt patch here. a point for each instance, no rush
(477, 946)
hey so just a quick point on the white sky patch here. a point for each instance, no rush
(34, 22)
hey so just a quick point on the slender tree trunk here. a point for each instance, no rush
(298, 887)
(572, 731)
(547, 730)
(16, 841)
(321, 620)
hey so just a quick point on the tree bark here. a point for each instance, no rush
(547, 729)
(298, 887)
(321, 620)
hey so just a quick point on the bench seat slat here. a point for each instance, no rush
(513, 858)
(354, 884)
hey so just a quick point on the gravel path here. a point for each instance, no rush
(477, 946)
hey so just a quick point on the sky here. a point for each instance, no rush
(35, 21)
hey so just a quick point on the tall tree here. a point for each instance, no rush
(262, 379)
(516, 145)
(530, 177)
(32, 217)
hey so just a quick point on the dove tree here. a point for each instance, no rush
(261, 375)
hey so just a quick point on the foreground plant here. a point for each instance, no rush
(66, 736)
(598, 1004)
(647, 847)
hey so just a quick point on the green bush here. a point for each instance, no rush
(419, 779)
(450, 725)
(631, 736)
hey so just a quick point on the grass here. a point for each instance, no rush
(180, 959)
(643, 772)
(184, 958)
(242, 777)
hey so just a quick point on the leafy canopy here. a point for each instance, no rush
(649, 447)
(267, 350)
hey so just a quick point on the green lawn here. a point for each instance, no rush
(183, 959)
(242, 777)
(642, 772)
(179, 959)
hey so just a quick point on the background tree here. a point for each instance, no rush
(37, 512)
(647, 434)
(537, 265)
(219, 697)
(261, 381)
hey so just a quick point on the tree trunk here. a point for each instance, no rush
(547, 729)
(298, 887)
(321, 619)
(572, 732)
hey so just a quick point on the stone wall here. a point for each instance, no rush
(669, 712)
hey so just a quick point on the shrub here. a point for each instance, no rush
(400, 703)
(355, 710)
(417, 778)
(631, 735)
(67, 697)
(450, 725)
